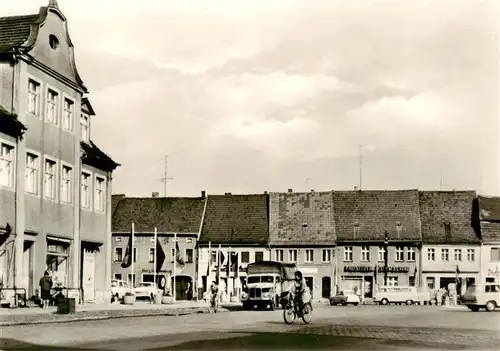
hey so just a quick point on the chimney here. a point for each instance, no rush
(265, 192)
(355, 188)
(203, 194)
(155, 194)
(227, 193)
(290, 190)
(312, 190)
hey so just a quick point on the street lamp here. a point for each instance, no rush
(386, 245)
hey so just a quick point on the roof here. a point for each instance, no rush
(454, 208)
(15, 31)
(115, 200)
(301, 218)
(489, 208)
(168, 215)
(366, 215)
(236, 219)
(93, 156)
(490, 232)
(10, 124)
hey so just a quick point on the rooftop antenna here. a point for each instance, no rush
(165, 178)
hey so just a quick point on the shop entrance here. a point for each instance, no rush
(368, 286)
(326, 287)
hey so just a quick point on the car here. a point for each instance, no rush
(118, 289)
(345, 299)
(485, 296)
(146, 289)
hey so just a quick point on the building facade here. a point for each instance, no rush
(489, 216)
(451, 244)
(55, 183)
(363, 221)
(235, 232)
(170, 261)
(302, 231)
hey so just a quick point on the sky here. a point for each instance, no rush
(254, 96)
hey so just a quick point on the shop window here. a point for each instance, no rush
(148, 278)
(392, 281)
(118, 276)
(490, 280)
(431, 282)
(57, 261)
(259, 256)
(411, 281)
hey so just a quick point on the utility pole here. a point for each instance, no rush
(165, 178)
(360, 167)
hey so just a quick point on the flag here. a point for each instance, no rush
(209, 261)
(221, 259)
(178, 256)
(160, 255)
(5, 234)
(375, 273)
(228, 268)
(127, 258)
(234, 263)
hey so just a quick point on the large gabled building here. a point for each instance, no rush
(55, 183)
(489, 217)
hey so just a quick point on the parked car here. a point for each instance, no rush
(118, 289)
(482, 296)
(344, 299)
(396, 294)
(148, 290)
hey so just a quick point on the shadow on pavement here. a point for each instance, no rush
(10, 344)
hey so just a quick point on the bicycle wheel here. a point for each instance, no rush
(289, 315)
(307, 313)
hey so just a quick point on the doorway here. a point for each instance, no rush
(88, 275)
(181, 285)
(368, 287)
(28, 268)
(309, 283)
(326, 287)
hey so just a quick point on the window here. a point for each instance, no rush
(148, 278)
(33, 97)
(399, 254)
(99, 193)
(53, 42)
(152, 239)
(118, 239)
(118, 276)
(151, 254)
(52, 99)
(118, 254)
(457, 253)
(279, 255)
(6, 165)
(85, 127)
(445, 255)
(495, 254)
(189, 255)
(66, 182)
(245, 257)
(471, 255)
(431, 282)
(382, 254)
(309, 256)
(31, 176)
(172, 255)
(292, 255)
(85, 192)
(431, 254)
(447, 229)
(135, 254)
(392, 281)
(189, 240)
(50, 179)
(68, 114)
(411, 280)
(365, 253)
(259, 256)
(348, 253)
(327, 255)
(410, 254)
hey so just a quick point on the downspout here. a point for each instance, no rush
(14, 247)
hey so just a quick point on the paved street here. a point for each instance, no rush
(337, 328)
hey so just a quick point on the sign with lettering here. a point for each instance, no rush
(380, 269)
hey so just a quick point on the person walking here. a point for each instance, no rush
(45, 286)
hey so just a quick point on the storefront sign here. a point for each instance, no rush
(380, 269)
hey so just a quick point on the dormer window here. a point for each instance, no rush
(85, 127)
(53, 42)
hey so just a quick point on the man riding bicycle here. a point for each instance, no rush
(214, 290)
(299, 289)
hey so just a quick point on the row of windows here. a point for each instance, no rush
(119, 253)
(152, 239)
(308, 255)
(54, 172)
(382, 254)
(457, 255)
(53, 113)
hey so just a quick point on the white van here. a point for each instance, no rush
(482, 296)
(396, 294)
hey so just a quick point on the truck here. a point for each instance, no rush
(265, 282)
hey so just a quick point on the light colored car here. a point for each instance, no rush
(146, 289)
(345, 298)
(482, 296)
(118, 289)
(396, 294)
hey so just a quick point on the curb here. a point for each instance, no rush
(68, 318)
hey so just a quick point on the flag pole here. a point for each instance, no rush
(154, 257)
(132, 285)
(174, 289)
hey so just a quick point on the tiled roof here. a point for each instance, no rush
(236, 219)
(490, 232)
(301, 218)
(94, 156)
(366, 215)
(168, 215)
(440, 208)
(9, 123)
(489, 208)
(14, 31)
(115, 200)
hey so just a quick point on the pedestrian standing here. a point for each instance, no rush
(189, 292)
(45, 287)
